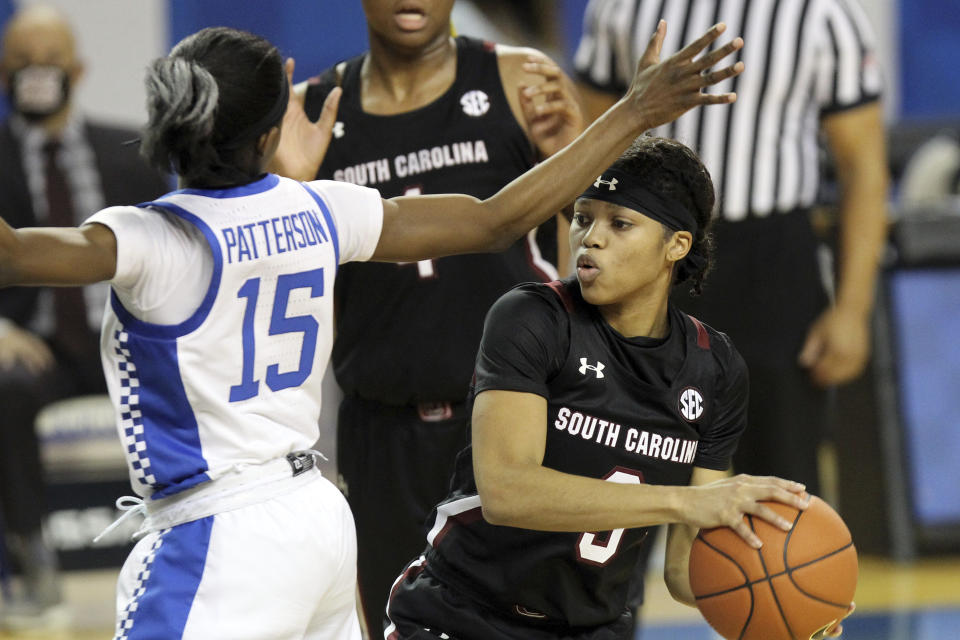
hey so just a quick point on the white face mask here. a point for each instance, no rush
(39, 91)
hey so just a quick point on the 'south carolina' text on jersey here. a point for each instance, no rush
(414, 162)
(639, 441)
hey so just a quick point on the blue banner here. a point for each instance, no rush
(6, 10)
(929, 50)
(315, 33)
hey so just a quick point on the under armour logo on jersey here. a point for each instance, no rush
(691, 404)
(598, 368)
(610, 184)
(475, 103)
(338, 129)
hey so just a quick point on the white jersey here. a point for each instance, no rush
(237, 379)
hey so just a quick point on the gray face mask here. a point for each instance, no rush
(39, 91)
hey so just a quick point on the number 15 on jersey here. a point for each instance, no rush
(279, 323)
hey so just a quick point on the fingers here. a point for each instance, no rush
(715, 77)
(652, 53)
(744, 531)
(701, 43)
(27, 351)
(812, 348)
(710, 59)
(764, 512)
(548, 88)
(542, 67)
(328, 115)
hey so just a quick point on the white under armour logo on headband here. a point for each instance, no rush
(610, 184)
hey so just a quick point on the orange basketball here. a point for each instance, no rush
(799, 582)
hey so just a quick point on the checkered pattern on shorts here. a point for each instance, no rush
(125, 621)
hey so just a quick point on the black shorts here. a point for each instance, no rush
(421, 607)
(395, 465)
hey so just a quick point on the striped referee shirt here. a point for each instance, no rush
(804, 59)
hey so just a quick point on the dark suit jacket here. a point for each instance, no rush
(124, 177)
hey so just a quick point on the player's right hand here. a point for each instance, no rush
(303, 144)
(724, 503)
(663, 91)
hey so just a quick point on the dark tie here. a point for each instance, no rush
(70, 311)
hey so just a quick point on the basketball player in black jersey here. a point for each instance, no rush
(424, 112)
(596, 407)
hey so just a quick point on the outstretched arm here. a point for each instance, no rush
(56, 256)
(420, 227)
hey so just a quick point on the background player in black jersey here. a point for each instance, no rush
(424, 112)
(591, 379)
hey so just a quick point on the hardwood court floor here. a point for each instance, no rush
(916, 601)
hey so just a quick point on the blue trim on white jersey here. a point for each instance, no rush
(171, 434)
(168, 583)
(329, 219)
(134, 325)
(260, 185)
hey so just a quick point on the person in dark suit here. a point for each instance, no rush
(56, 168)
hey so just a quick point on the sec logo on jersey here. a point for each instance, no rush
(691, 404)
(475, 103)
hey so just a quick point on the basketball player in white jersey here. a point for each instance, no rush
(219, 325)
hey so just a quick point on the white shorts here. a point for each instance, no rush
(283, 568)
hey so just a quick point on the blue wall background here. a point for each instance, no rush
(315, 33)
(929, 58)
(6, 9)
(319, 33)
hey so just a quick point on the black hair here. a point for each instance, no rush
(207, 103)
(676, 173)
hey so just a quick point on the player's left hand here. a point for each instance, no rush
(837, 346)
(550, 107)
(836, 629)
(303, 144)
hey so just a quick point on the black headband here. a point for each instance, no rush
(270, 119)
(619, 188)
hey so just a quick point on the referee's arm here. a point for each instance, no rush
(838, 344)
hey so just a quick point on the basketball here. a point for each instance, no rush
(799, 582)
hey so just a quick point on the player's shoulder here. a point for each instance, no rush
(516, 54)
(718, 343)
(336, 188)
(511, 58)
(314, 90)
(550, 299)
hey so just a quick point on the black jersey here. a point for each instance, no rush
(625, 410)
(408, 333)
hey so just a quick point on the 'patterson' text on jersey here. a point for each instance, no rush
(279, 234)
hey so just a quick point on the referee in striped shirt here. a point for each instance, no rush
(810, 70)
